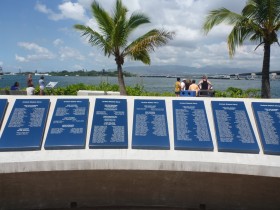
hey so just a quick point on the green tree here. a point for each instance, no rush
(259, 22)
(114, 32)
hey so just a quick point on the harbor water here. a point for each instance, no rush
(151, 84)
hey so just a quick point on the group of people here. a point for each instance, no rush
(203, 84)
(30, 90)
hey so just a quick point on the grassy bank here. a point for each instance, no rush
(138, 90)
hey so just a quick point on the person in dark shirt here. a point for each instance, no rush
(188, 83)
(15, 86)
(204, 84)
(29, 81)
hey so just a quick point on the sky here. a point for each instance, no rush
(38, 35)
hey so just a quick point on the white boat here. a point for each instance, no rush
(42, 74)
(252, 77)
(274, 76)
(222, 76)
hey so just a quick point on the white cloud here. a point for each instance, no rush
(38, 52)
(20, 58)
(51, 14)
(70, 53)
(85, 3)
(33, 47)
(42, 8)
(72, 10)
(57, 42)
(67, 10)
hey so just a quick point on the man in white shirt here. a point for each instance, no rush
(183, 85)
(42, 85)
(30, 90)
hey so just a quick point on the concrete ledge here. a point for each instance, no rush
(120, 160)
(112, 93)
(96, 93)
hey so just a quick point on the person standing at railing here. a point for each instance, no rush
(42, 85)
(194, 87)
(188, 83)
(30, 90)
(204, 84)
(29, 81)
(177, 87)
(183, 85)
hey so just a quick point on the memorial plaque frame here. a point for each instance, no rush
(109, 125)
(233, 128)
(3, 108)
(150, 126)
(25, 126)
(191, 128)
(267, 117)
(68, 127)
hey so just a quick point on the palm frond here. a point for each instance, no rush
(119, 12)
(94, 38)
(149, 41)
(257, 37)
(119, 32)
(104, 21)
(277, 26)
(137, 19)
(141, 56)
(237, 36)
(216, 17)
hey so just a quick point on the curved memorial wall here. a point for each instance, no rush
(187, 152)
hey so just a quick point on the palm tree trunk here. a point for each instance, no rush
(121, 81)
(265, 92)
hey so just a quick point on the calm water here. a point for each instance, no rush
(149, 83)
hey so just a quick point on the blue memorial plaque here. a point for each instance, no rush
(150, 129)
(26, 124)
(191, 129)
(109, 126)
(3, 106)
(267, 116)
(233, 128)
(68, 126)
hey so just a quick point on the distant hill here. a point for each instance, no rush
(184, 70)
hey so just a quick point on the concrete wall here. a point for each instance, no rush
(130, 177)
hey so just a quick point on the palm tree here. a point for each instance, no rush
(113, 37)
(259, 22)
